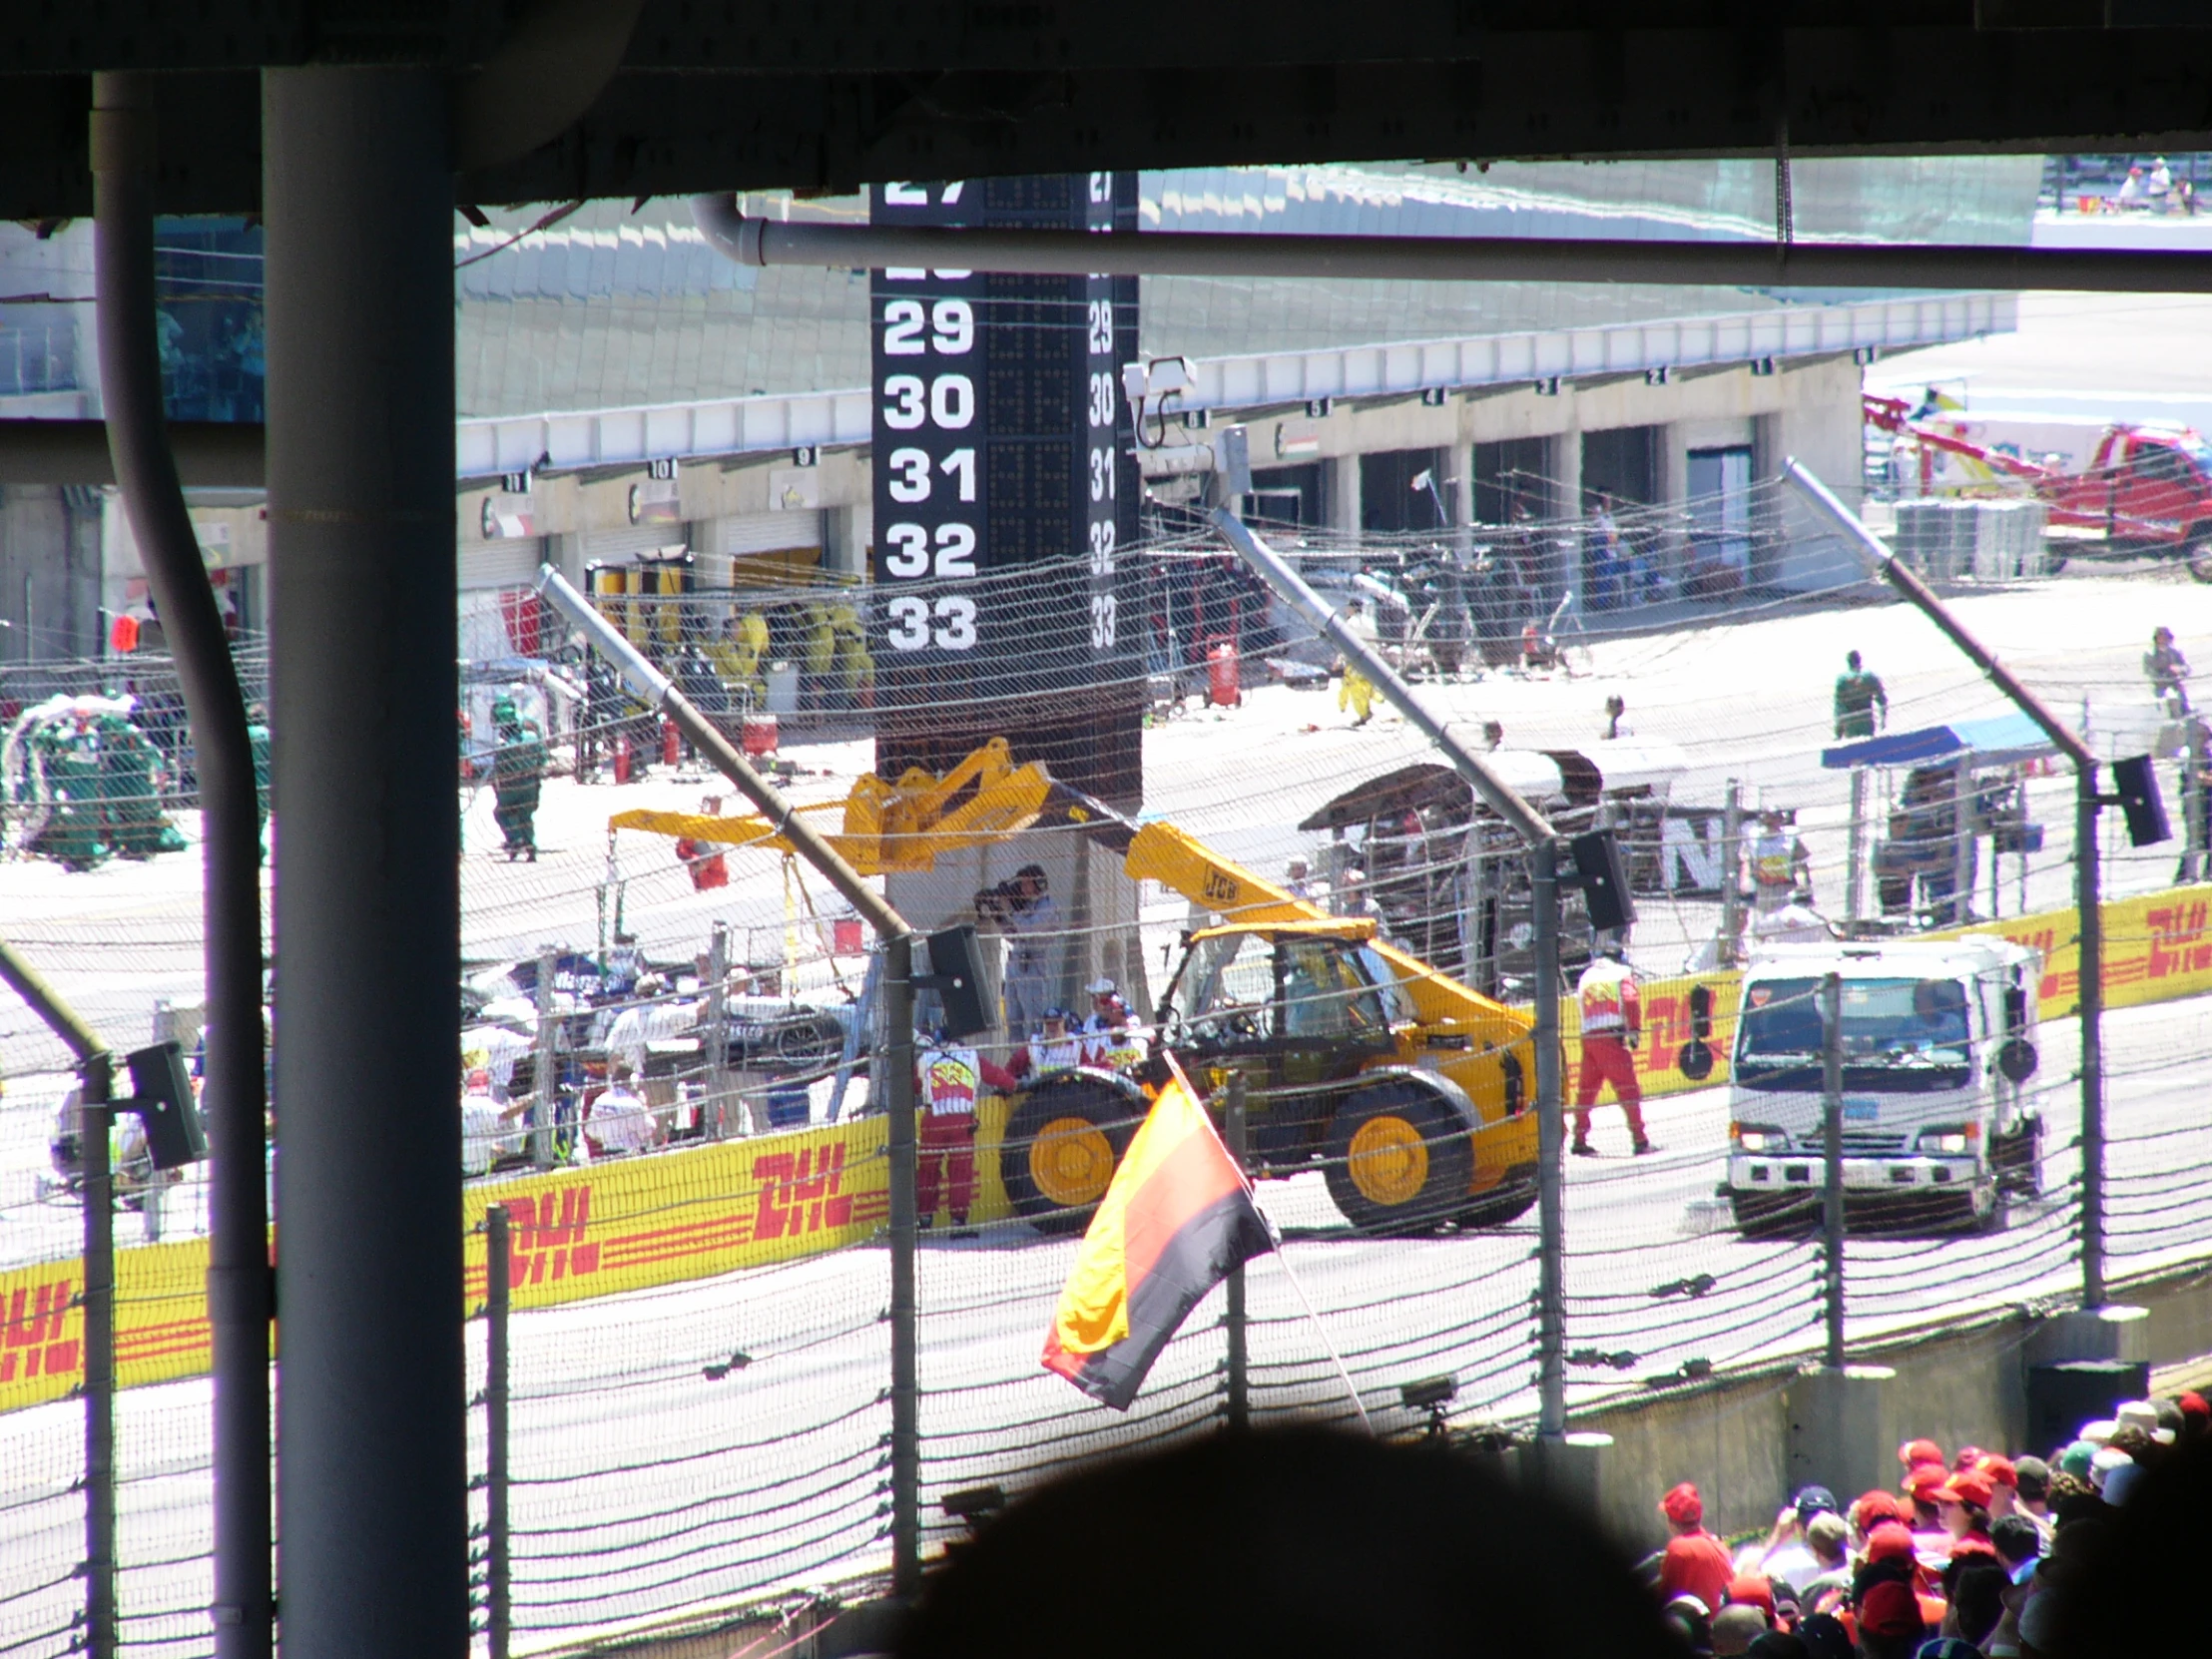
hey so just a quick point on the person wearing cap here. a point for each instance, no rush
(518, 766)
(2142, 1414)
(1107, 1008)
(1612, 1026)
(1913, 1453)
(1776, 867)
(1890, 1622)
(1785, 1552)
(619, 1120)
(1868, 1511)
(1963, 1508)
(1695, 1561)
(949, 1080)
(2004, 1483)
(1052, 1047)
(2196, 1414)
(1924, 1515)
(1828, 1541)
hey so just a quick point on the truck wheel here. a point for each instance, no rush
(2198, 556)
(1513, 1197)
(1397, 1159)
(1063, 1142)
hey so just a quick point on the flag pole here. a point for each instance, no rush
(1282, 1260)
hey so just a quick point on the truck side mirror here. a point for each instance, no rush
(2016, 1059)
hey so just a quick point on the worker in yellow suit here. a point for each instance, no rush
(737, 657)
(855, 667)
(1355, 691)
(817, 655)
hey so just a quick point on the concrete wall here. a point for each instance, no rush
(1965, 1387)
(49, 572)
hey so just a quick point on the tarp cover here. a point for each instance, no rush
(1997, 740)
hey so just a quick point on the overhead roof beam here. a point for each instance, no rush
(761, 242)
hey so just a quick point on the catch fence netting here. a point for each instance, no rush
(700, 1375)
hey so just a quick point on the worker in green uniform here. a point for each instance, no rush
(68, 755)
(517, 767)
(131, 792)
(1858, 694)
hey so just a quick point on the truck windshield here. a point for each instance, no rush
(1897, 1033)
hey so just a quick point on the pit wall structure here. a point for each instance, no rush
(621, 1224)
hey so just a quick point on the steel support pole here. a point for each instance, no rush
(123, 155)
(1239, 1412)
(2089, 960)
(2193, 803)
(716, 1106)
(1832, 1163)
(1855, 853)
(498, 1609)
(93, 1118)
(1732, 873)
(1552, 1147)
(371, 1433)
(545, 1063)
(899, 1096)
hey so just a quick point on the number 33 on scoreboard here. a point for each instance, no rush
(911, 616)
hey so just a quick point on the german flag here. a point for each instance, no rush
(1176, 1219)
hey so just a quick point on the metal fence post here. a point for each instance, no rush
(1551, 1146)
(899, 1096)
(2089, 926)
(1732, 858)
(545, 1069)
(1856, 848)
(93, 1118)
(716, 1105)
(1832, 1152)
(498, 1612)
(1233, 1314)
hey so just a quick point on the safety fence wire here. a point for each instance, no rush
(643, 1447)
(700, 1446)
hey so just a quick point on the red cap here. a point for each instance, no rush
(1753, 1589)
(2194, 1405)
(1891, 1538)
(1920, 1452)
(1925, 1480)
(1973, 1546)
(1888, 1609)
(1969, 1456)
(1968, 1487)
(1872, 1509)
(1682, 1504)
(1998, 1471)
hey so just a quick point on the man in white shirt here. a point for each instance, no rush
(620, 1120)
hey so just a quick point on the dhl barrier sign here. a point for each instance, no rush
(630, 1224)
(598, 1230)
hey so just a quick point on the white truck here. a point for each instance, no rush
(1937, 1041)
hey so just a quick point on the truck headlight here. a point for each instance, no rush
(1758, 1138)
(1950, 1142)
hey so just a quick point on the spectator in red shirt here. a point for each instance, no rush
(1695, 1560)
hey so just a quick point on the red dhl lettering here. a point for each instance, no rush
(799, 1193)
(546, 1241)
(46, 1313)
(2177, 941)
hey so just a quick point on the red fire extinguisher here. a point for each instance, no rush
(1223, 690)
(672, 743)
(622, 757)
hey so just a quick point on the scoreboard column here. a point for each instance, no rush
(1005, 491)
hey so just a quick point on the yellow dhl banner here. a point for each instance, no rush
(625, 1224)
(630, 1224)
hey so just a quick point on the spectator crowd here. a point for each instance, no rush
(1977, 1553)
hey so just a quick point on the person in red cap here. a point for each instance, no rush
(1916, 1452)
(1963, 1508)
(2004, 1485)
(1869, 1512)
(1695, 1560)
(1925, 1516)
(1890, 1622)
(2196, 1414)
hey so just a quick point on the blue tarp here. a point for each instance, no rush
(1997, 740)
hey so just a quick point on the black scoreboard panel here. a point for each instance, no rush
(1003, 443)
